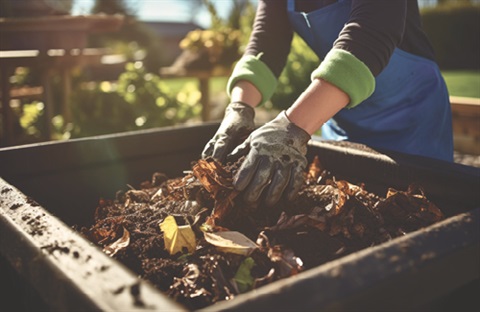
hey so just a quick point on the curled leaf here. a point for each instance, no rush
(289, 222)
(231, 242)
(218, 182)
(287, 263)
(338, 201)
(119, 244)
(314, 170)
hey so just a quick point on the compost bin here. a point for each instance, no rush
(47, 188)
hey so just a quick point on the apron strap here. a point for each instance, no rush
(291, 5)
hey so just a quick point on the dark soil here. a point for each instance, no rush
(329, 219)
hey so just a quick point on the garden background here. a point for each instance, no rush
(137, 96)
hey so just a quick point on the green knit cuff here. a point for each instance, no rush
(252, 69)
(344, 70)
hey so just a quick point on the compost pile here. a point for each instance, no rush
(195, 239)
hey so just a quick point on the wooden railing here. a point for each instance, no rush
(466, 124)
(47, 43)
(58, 61)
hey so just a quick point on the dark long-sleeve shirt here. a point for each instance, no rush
(374, 29)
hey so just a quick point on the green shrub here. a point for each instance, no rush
(295, 77)
(139, 100)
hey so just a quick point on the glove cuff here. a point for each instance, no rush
(303, 135)
(242, 109)
(296, 136)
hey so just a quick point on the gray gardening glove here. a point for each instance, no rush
(275, 162)
(236, 125)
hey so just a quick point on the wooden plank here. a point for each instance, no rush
(465, 106)
(460, 100)
(63, 23)
(25, 92)
(466, 124)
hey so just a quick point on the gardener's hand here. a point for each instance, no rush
(275, 162)
(236, 125)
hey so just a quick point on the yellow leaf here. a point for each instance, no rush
(231, 241)
(176, 237)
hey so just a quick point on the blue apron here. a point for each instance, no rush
(409, 110)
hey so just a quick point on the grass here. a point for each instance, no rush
(217, 84)
(463, 83)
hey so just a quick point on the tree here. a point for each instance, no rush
(132, 33)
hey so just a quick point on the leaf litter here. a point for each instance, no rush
(196, 240)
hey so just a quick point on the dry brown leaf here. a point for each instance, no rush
(314, 170)
(289, 222)
(218, 182)
(119, 244)
(287, 263)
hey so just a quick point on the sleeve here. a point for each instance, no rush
(267, 50)
(364, 47)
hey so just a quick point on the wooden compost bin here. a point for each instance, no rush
(49, 265)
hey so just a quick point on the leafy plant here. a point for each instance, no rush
(223, 42)
(221, 45)
(139, 100)
(295, 76)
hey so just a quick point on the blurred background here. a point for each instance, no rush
(78, 68)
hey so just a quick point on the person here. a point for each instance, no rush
(377, 84)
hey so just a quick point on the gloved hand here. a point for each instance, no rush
(236, 125)
(275, 161)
